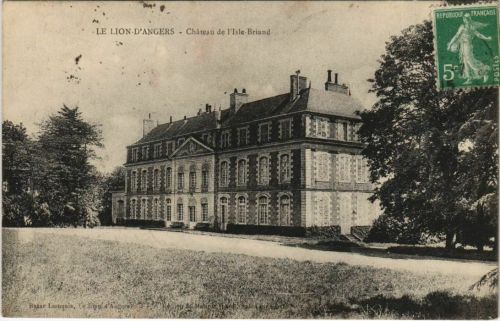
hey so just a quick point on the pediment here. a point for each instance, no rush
(192, 147)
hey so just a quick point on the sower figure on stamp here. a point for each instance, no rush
(472, 68)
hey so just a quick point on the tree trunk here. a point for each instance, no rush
(450, 243)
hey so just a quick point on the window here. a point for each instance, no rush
(284, 168)
(135, 154)
(133, 181)
(207, 138)
(223, 173)
(223, 210)
(225, 139)
(242, 136)
(180, 212)
(323, 166)
(322, 127)
(192, 213)
(133, 208)
(169, 177)
(170, 148)
(204, 178)
(192, 180)
(145, 152)
(156, 179)
(169, 210)
(180, 181)
(242, 177)
(265, 133)
(204, 212)
(263, 170)
(144, 180)
(323, 210)
(157, 150)
(180, 141)
(361, 170)
(285, 210)
(286, 129)
(262, 210)
(342, 131)
(144, 207)
(156, 208)
(242, 210)
(344, 166)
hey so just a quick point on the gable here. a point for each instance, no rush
(192, 147)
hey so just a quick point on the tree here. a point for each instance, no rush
(422, 144)
(65, 176)
(113, 182)
(17, 151)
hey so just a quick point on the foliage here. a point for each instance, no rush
(112, 182)
(434, 153)
(490, 279)
(50, 181)
(387, 229)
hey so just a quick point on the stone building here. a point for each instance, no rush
(291, 160)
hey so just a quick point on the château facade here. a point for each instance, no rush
(288, 160)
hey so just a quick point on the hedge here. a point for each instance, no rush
(140, 223)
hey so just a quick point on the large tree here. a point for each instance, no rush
(432, 152)
(112, 182)
(65, 175)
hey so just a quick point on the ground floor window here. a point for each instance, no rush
(143, 208)
(242, 210)
(192, 214)
(180, 212)
(156, 207)
(285, 210)
(263, 210)
(168, 210)
(204, 212)
(133, 208)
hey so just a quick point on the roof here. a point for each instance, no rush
(314, 100)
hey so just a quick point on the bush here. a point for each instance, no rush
(177, 225)
(203, 227)
(265, 230)
(324, 231)
(444, 252)
(361, 232)
(387, 229)
(142, 223)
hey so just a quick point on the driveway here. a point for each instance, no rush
(211, 243)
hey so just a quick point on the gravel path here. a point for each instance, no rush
(211, 243)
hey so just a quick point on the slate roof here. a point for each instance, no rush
(314, 100)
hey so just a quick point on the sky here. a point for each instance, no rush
(54, 55)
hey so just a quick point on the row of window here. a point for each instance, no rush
(156, 182)
(140, 209)
(340, 130)
(263, 204)
(263, 171)
(344, 168)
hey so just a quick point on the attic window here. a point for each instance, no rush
(180, 141)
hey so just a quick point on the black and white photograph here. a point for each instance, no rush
(250, 160)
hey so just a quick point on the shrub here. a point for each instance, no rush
(177, 225)
(324, 231)
(387, 229)
(361, 232)
(203, 227)
(265, 230)
(142, 223)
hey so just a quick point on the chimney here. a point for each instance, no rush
(170, 119)
(297, 83)
(335, 86)
(217, 117)
(148, 125)
(208, 108)
(199, 112)
(236, 100)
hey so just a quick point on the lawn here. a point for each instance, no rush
(53, 276)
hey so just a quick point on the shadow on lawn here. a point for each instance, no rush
(435, 305)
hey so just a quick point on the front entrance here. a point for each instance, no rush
(223, 213)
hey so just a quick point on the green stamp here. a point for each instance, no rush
(466, 46)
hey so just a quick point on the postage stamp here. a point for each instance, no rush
(466, 46)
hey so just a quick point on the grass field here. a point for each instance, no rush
(54, 275)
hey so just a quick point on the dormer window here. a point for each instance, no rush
(285, 129)
(170, 148)
(242, 136)
(207, 138)
(135, 154)
(145, 152)
(265, 133)
(157, 150)
(225, 139)
(180, 141)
